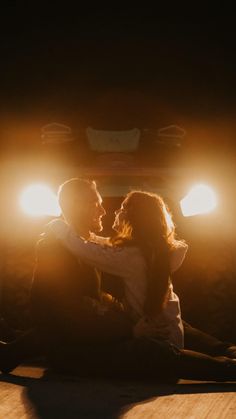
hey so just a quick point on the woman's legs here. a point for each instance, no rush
(197, 340)
(152, 359)
(193, 365)
(135, 358)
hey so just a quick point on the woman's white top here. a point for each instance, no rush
(129, 264)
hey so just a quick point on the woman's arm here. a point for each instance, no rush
(116, 261)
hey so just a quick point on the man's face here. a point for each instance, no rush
(91, 212)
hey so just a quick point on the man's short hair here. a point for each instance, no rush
(75, 187)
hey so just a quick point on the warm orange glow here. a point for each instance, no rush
(39, 200)
(201, 199)
(170, 224)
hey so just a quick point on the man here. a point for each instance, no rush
(76, 328)
(72, 290)
(68, 306)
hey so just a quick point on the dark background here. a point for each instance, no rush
(117, 67)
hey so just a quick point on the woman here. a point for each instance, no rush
(143, 253)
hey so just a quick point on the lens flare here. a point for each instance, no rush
(39, 200)
(201, 199)
(170, 224)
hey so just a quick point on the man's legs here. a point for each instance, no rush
(62, 339)
(23, 348)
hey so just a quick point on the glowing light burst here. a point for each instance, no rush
(201, 199)
(170, 224)
(39, 200)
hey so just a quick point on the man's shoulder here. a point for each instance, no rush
(53, 260)
(51, 247)
(45, 243)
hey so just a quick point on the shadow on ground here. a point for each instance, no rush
(71, 397)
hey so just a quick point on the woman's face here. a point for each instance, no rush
(120, 217)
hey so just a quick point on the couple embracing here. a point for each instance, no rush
(82, 328)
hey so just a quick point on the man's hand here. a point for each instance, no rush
(111, 302)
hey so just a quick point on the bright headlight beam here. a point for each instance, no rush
(201, 199)
(39, 200)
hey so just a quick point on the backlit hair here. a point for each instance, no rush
(149, 226)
